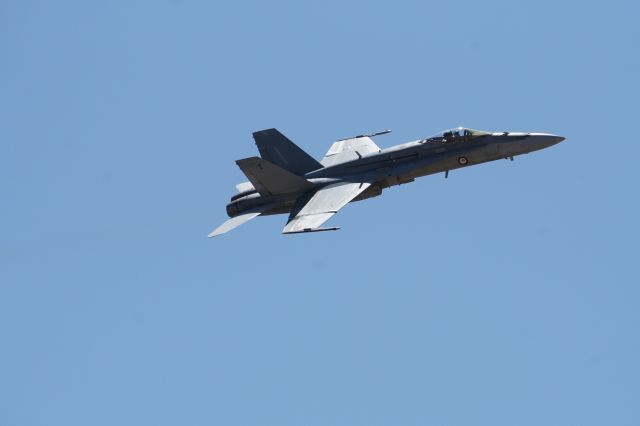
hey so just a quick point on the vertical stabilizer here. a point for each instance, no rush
(269, 179)
(279, 150)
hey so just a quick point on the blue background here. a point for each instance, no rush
(507, 294)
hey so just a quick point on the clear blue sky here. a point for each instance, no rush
(505, 295)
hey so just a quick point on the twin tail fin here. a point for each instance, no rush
(269, 179)
(278, 149)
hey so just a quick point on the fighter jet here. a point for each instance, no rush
(285, 179)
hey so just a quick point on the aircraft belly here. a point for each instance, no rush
(283, 209)
(278, 205)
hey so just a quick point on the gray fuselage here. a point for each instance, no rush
(403, 163)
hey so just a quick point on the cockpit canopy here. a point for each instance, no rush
(458, 134)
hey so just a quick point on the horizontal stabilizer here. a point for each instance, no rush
(236, 221)
(270, 179)
(278, 149)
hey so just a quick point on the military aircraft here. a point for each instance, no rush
(285, 179)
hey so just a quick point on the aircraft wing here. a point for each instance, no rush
(349, 149)
(309, 216)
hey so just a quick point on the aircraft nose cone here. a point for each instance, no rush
(544, 140)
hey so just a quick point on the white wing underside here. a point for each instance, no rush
(349, 149)
(325, 203)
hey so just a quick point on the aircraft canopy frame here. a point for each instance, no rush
(458, 134)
